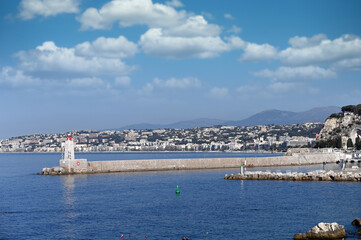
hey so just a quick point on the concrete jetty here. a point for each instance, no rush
(70, 165)
(83, 166)
(349, 175)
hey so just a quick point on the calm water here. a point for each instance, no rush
(105, 206)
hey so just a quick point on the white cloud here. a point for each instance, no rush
(16, 78)
(131, 12)
(235, 29)
(174, 3)
(188, 82)
(51, 61)
(292, 73)
(30, 8)
(302, 42)
(352, 64)
(122, 81)
(282, 86)
(320, 50)
(343, 53)
(146, 90)
(247, 88)
(171, 33)
(228, 16)
(154, 42)
(90, 82)
(172, 83)
(107, 47)
(219, 92)
(257, 52)
(193, 27)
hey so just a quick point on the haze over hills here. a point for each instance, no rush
(267, 117)
(279, 117)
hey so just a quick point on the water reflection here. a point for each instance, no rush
(71, 214)
(68, 190)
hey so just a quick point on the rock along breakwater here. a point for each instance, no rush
(319, 175)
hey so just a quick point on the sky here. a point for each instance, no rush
(98, 64)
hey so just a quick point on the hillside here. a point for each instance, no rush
(276, 117)
(342, 130)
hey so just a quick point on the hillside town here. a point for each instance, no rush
(217, 138)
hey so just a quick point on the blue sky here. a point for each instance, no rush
(85, 64)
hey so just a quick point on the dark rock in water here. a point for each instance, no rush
(299, 236)
(357, 222)
(326, 231)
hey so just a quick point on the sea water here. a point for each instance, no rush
(145, 206)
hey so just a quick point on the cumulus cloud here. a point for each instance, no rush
(228, 16)
(219, 92)
(343, 53)
(292, 73)
(146, 90)
(172, 83)
(174, 3)
(107, 47)
(16, 78)
(51, 61)
(247, 88)
(172, 33)
(188, 82)
(194, 26)
(257, 52)
(30, 8)
(89, 82)
(352, 64)
(320, 50)
(302, 42)
(282, 86)
(154, 42)
(235, 29)
(131, 12)
(122, 81)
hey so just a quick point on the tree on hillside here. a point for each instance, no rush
(339, 142)
(357, 143)
(356, 109)
(348, 108)
(349, 143)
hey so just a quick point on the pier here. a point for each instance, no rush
(70, 165)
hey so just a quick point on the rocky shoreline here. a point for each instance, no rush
(349, 175)
(329, 231)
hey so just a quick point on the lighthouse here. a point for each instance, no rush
(69, 149)
(68, 161)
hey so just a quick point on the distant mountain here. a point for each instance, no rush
(279, 117)
(266, 117)
(200, 122)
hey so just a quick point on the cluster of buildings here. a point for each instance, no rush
(217, 138)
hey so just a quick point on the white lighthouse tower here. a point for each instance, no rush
(68, 162)
(68, 152)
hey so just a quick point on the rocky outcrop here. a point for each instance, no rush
(326, 231)
(320, 175)
(299, 236)
(342, 125)
(52, 171)
(357, 222)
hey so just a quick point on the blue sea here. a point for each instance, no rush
(145, 206)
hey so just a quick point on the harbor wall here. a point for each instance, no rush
(207, 163)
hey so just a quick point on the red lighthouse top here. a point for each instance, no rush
(69, 137)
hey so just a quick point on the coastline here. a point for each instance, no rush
(251, 151)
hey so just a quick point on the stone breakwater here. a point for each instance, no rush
(320, 175)
(85, 167)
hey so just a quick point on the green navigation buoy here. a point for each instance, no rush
(177, 191)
